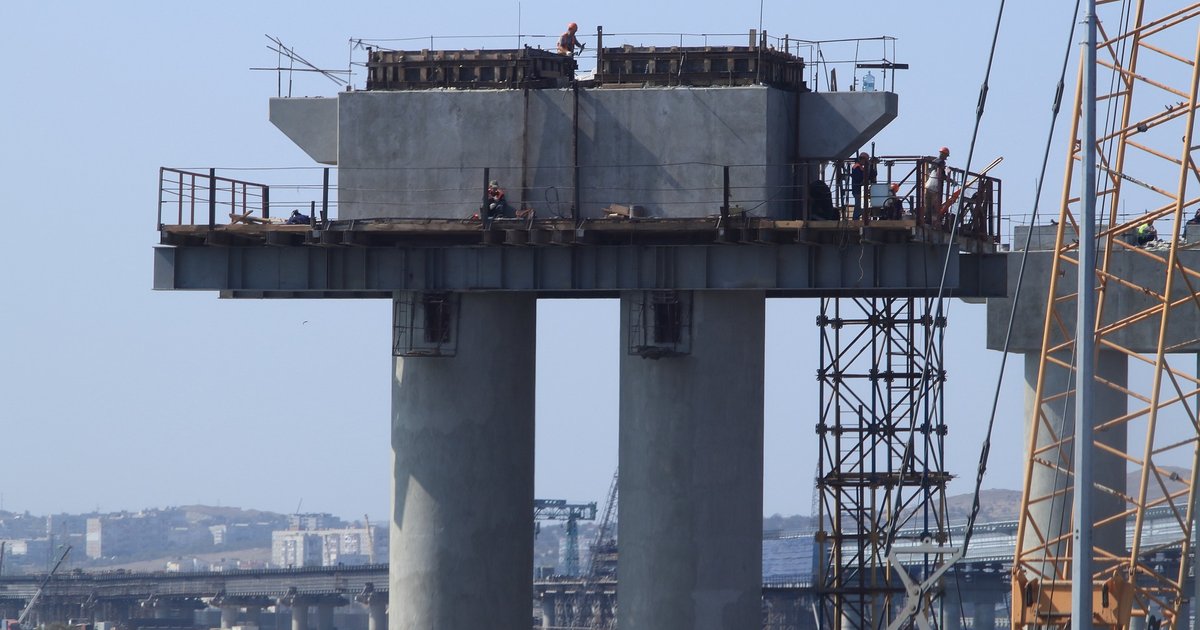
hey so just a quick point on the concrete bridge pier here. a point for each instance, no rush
(229, 615)
(325, 614)
(377, 614)
(548, 605)
(985, 609)
(1109, 469)
(462, 440)
(691, 457)
(300, 614)
(254, 615)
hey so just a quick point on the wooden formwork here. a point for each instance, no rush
(518, 68)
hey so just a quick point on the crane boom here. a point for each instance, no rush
(41, 587)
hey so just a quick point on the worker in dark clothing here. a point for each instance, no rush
(497, 204)
(568, 43)
(820, 202)
(862, 172)
(893, 206)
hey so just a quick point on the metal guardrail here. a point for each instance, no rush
(675, 190)
(190, 197)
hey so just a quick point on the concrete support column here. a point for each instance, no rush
(691, 458)
(985, 611)
(462, 440)
(1108, 469)
(377, 614)
(299, 615)
(325, 615)
(254, 616)
(229, 616)
(951, 608)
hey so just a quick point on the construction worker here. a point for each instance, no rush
(893, 206)
(1146, 233)
(934, 179)
(497, 204)
(862, 172)
(567, 42)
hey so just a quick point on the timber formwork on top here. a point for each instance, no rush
(626, 66)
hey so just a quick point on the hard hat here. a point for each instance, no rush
(945, 150)
(895, 187)
(571, 26)
(863, 155)
(494, 183)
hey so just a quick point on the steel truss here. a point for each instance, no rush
(881, 465)
(1146, 171)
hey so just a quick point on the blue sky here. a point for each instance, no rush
(115, 397)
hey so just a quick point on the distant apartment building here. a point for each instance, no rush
(125, 534)
(328, 547)
(241, 535)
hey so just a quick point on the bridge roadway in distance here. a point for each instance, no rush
(992, 549)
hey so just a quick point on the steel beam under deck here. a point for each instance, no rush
(782, 270)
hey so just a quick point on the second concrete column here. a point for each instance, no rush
(691, 462)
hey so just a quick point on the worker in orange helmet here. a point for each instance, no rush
(893, 206)
(567, 43)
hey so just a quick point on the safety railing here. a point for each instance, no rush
(835, 192)
(202, 197)
(813, 191)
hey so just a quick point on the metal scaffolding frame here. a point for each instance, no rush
(881, 466)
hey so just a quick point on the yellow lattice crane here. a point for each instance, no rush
(1146, 336)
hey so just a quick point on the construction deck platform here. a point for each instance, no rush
(376, 258)
(515, 231)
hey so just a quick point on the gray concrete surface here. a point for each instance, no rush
(309, 122)
(1108, 470)
(422, 153)
(835, 124)
(1183, 329)
(462, 436)
(299, 615)
(691, 456)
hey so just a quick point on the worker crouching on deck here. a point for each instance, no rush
(497, 205)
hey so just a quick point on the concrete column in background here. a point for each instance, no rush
(462, 442)
(548, 610)
(325, 615)
(377, 614)
(1109, 469)
(984, 614)
(691, 462)
(254, 616)
(299, 615)
(229, 616)
(951, 607)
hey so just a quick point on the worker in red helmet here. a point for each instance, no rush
(893, 206)
(567, 43)
(935, 181)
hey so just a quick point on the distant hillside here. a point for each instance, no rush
(994, 505)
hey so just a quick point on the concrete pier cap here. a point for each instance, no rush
(421, 153)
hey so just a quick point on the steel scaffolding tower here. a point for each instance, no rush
(881, 465)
